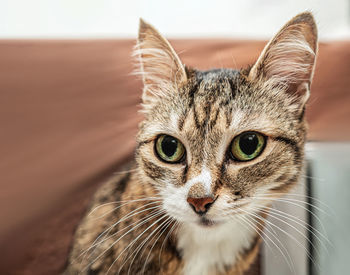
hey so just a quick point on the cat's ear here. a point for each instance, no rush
(161, 68)
(289, 57)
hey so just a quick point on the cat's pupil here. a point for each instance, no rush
(248, 143)
(169, 146)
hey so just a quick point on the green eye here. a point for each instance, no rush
(169, 149)
(247, 146)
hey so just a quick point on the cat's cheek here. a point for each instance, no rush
(222, 207)
(158, 173)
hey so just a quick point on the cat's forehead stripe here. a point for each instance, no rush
(212, 92)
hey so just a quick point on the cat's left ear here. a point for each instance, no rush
(161, 68)
(289, 57)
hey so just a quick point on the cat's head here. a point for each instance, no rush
(221, 142)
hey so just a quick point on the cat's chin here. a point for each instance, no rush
(207, 223)
(203, 222)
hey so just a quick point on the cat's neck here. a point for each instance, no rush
(214, 249)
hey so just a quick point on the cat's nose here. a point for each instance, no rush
(200, 205)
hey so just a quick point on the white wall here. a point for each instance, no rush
(175, 18)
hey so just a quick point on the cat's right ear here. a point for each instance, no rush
(160, 67)
(289, 57)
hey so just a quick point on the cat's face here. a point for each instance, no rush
(221, 143)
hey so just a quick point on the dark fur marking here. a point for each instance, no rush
(117, 191)
(181, 123)
(301, 117)
(153, 171)
(218, 184)
(172, 247)
(207, 111)
(194, 89)
(190, 95)
(195, 116)
(192, 92)
(228, 114)
(233, 87)
(213, 121)
(141, 143)
(281, 178)
(98, 270)
(290, 181)
(292, 144)
(222, 167)
(93, 271)
(121, 186)
(260, 170)
(184, 174)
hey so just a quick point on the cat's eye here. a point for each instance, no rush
(169, 149)
(247, 146)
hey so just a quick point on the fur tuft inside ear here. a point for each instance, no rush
(289, 57)
(160, 67)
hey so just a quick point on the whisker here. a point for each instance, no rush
(257, 230)
(132, 229)
(129, 215)
(312, 177)
(138, 249)
(147, 217)
(298, 205)
(293, 227)
(139, 236)
(294, 200)
(302, 223)
(287, 257)
(304, 196)
(161, 233)
(288, 234)
(126, 202)
(125, 172)
(166, 237)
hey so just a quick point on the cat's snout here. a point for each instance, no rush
(200, 205)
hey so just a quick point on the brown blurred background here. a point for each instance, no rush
(69, 115)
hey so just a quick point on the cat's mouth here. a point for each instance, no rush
(207, 222)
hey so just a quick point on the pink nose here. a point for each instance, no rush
(200, 205)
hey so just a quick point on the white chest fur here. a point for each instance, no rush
(209, 250)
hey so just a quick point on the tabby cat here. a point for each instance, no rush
(214, 149)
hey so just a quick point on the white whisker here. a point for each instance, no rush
(126, 202)
(132, 229)
(139, 236)
(128, 216)
(170, 220)
(287, 257)
(295, 204)
(285, 232)
(298, 221)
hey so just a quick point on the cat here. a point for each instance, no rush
(214, 150)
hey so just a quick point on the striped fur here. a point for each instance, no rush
(155, 231)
